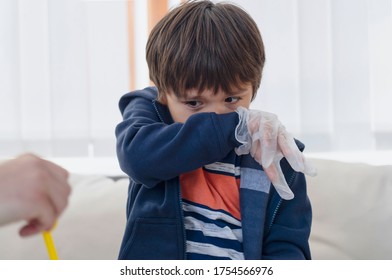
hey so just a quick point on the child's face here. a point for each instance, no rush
(181, 108)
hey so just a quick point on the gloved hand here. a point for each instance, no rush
(266, 139)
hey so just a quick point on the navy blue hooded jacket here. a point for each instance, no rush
(154, 151)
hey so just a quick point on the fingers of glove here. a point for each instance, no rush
(310, 169)
(263, 151)
(293, 155)
(253, 122)
(290, 150)
(255, 151)
(269, 141)
(268, 151)
(243, 149)
(275, 174)
(269, 127)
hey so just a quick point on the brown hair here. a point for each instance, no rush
(204, 45)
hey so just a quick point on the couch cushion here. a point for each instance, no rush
(352, 211)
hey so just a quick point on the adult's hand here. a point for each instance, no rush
(34, 190)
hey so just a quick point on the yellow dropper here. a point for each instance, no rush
(50, 245)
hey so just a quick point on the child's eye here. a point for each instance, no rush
(193, 104)
(232, 99)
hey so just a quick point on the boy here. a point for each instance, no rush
(195, 191)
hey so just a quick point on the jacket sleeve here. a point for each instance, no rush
(151, 151)
(287, 232)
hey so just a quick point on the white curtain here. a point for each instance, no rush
(329, 70)
(64, 65)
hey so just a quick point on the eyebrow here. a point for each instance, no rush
(237, 92)
(190, 96)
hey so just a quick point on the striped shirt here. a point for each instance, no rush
(212, 218)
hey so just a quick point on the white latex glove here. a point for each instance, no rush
(266, 139)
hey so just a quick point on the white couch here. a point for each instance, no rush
(352, 216)
(352, 211)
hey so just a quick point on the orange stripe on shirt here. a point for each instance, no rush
(217, 191)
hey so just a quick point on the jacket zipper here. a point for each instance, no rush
(156, 110)
(182, 220)
(280, 202)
